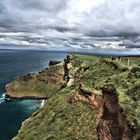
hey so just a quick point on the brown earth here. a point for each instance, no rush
(111, 123)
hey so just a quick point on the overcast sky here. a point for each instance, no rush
(71, 24)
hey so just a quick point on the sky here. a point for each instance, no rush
(89, 25)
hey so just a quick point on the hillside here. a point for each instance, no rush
(89, 98)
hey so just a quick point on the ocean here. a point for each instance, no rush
(14, 63)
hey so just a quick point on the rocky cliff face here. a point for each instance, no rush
(111, 123)
(54, 62)
(73, 69)
(69, 73)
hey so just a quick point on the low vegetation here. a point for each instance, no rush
(41, 85)
(73, 114)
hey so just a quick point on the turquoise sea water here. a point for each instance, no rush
(14, 63)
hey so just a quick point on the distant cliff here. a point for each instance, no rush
(88, 98)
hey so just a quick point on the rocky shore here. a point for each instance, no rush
(10, 97)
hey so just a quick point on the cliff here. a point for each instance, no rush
(89, 98)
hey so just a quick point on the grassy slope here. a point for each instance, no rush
(44, 84)
(59, 119)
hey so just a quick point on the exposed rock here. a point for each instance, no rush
(93, 99)
(26, 77)
(70, 82)
(71, 73)
(113, 125)
(10, 97)
(68, 70)
(53, 62)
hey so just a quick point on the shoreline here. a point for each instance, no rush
(43, 103)
(8, 97)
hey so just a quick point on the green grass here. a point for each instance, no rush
(45, 84)
(61, 120)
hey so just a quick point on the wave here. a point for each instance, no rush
(2, 98)
(43, 103)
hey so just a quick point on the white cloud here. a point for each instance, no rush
(77, 22)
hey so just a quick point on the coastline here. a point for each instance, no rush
(50, 79)
(13, 65)
(94, 102)
(9, 97)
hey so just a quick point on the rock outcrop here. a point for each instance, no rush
(111, 124)
(68, 70)
(53, 62)
(71, 72)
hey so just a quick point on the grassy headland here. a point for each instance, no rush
(35, 86)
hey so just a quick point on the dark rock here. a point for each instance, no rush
(51, 63)
(9, 97)
(112, 125)
(26, 77)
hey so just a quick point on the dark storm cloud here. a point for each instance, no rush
(71, 23)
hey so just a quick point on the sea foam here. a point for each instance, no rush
(43, 103)
(2, 98)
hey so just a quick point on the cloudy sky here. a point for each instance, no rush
(71, 24)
